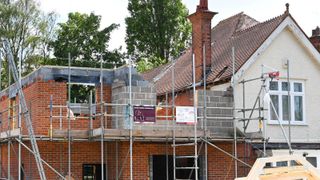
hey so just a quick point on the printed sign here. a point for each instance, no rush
(185, 114)
(144, 114)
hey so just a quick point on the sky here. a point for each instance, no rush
(305, 12)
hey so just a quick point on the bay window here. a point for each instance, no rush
(287, 107)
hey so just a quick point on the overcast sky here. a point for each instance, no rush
(306, 12)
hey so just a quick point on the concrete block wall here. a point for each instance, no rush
(141, 95)
(219, 112)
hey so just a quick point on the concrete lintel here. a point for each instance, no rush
(78, 75)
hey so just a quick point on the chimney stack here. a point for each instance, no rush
(315, 38)
(201, 37)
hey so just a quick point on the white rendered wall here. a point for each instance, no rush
(303, 67)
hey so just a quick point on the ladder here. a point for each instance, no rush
(195, 167)
(24, 109)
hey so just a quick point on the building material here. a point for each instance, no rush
(298, 168)
(25, 110)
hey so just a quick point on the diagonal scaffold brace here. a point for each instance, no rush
(24, 108)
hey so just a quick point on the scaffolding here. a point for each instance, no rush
(268, 74)
(196, 135)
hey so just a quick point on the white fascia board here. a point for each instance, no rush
(287, 22)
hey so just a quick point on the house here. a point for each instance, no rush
(99, 132)
(275, 56)
(89, 138)
(102, 133)
(105, 134)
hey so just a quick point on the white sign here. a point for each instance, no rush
(185, 114)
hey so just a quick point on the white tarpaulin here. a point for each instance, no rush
(185, 114)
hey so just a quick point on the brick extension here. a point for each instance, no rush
(55, 153)
(42, 86)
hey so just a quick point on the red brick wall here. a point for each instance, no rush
(38, 100)
(184, 98)
(220, 166)
(56, 154)
(201, 36)
(106, 99)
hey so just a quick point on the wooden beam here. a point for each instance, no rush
(303, 170)
(289, 175)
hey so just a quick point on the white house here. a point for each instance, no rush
(286, 43)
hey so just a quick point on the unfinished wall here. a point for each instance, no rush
(141, 95)
(56, 154)
(220, 166)
(219, 112)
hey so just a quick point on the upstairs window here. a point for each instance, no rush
(287, 107)
(80, 99)
(80, 93)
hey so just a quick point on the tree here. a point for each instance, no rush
(80, 36)
(156, 30)
(26, 27)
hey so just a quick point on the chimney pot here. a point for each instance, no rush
(203, 5)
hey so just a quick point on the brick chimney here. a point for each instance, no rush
(201, 36)
(315, 38)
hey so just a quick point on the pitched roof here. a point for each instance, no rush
(240, 31)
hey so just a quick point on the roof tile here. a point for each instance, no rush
(241, 31)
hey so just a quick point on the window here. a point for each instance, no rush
(287, 108)
(93, 172)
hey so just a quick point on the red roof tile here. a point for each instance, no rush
(240, 31)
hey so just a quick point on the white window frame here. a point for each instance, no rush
(279, 92)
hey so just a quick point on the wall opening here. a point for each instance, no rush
(93, 172)
(159, 166)
(80, 99)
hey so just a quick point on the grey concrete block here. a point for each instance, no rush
(139, 96)
(227, 111)
(214, 111)
(225, 99)
(145, 89)
(146, 102)
(214, 99)
(227, 124)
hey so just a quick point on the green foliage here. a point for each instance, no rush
(147, 64)
(80, 36)
(28, 30)
(158, 29)
(81, 93)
